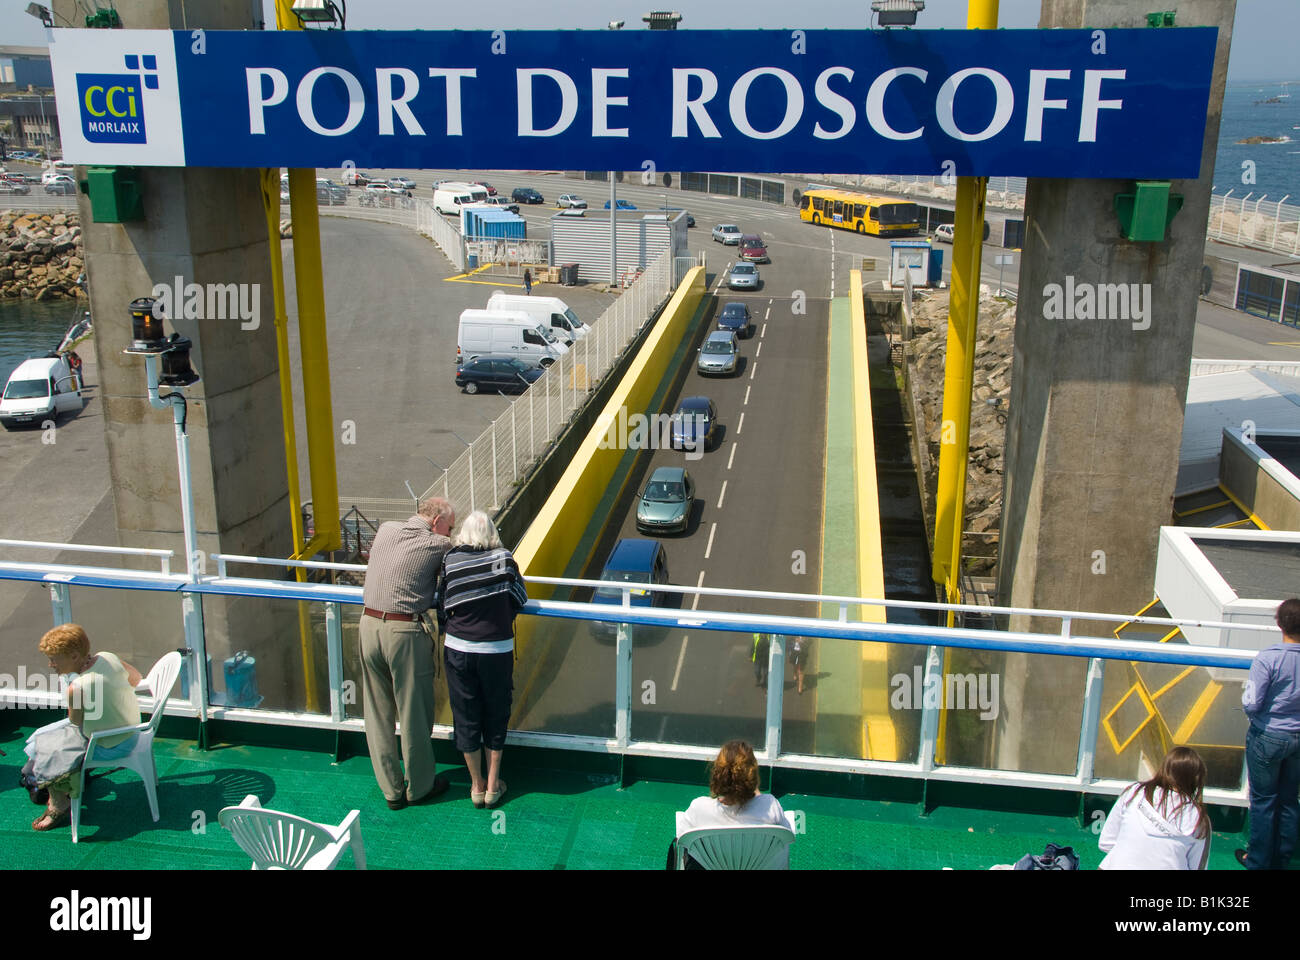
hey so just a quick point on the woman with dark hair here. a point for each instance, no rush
(733, 798)
(1161, 823)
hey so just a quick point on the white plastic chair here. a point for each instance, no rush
(742, 847)
(281, 841)
(161, 679)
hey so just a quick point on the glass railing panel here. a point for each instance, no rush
(24, 616)
(1148, 708)
(262, 653)
(1008, 711)
(140, 626)
(564, 678)
(696, 686)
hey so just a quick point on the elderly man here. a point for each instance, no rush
(397, 653)
(1271, 699)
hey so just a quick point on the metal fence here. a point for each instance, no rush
(1255, 222)
(498, 461)
(414, 212)
(38, 201)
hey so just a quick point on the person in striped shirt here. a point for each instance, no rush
(479, 593)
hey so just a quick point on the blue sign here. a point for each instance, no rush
(1040, 103)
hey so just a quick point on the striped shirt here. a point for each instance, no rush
(480, 593)
(404, 563)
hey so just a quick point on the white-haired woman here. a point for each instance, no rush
(479, 593)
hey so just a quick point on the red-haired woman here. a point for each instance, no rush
(1161, 823)
(734, 799)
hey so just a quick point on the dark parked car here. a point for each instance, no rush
(504, 374)
(735, 317)
(695, 421)
(633, 561)
(61, 185)
(526, 195)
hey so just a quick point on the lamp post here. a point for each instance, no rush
(167, 364)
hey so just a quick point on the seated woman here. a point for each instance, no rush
(733, 799)
(1161, 823)
(100, 697)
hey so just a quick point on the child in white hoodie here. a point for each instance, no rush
(1161, 823)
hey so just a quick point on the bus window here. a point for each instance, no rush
(859, 210)
(803, 203)
(872, 214)
(818, 204)
(839, 208)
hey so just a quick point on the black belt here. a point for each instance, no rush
(381, 615)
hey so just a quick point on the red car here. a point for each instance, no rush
(492, 191)
(753, 249)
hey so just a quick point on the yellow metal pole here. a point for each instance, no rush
(959, 364)
(309, 258)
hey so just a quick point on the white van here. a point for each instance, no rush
(449, 197)
(40, 390)
(508, 333)
(551, 311)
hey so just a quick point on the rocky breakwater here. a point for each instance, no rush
(995, 333)
(40, 256)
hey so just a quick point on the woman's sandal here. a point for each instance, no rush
(52, 820)
(478, 798)
(492, 797)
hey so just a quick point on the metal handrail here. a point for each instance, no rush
(164, 555)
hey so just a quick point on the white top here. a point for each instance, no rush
(478, 646)
(707, 813)
(1151, 836)
(107, 700)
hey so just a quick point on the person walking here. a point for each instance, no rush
(1271, 699)
(397, 658)
(759, 655)
(480, 591)
(798, 651)
(528, 283)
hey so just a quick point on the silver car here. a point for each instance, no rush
(744, 276)
(719, 355)
(727, 233)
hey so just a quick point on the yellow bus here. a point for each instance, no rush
(878, 216)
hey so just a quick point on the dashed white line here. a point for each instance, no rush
(729, 459)
(740, 423)
(757, 351)
(695, 604)
(747, 389)
(708, 547)
(721, 494)
(753, 368)
(681, 657)
(763, 332)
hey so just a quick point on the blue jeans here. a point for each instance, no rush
(1273, 766)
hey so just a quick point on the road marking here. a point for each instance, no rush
(764, 331)
(753, 368)
(832, 264)
(698, 583)
(757, 351)
(740, 423)
(709, 546)
(747, 389)
(732, 457)
(681, 658)
(721, 494)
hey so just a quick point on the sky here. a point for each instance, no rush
(1263, 47)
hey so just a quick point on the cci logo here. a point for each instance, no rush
(112, 106)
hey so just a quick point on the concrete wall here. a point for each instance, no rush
(206, 226)
(1266, 488)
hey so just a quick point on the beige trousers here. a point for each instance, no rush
(397, 663)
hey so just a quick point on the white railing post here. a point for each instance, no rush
(1091, 721)
(514, 447)
(334, 648)
(930, 709)
(623, 684)
(496, 500)
(775, 695)
(472, 506)
(61, 603)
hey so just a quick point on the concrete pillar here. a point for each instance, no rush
(205, 226)
(1096, 406)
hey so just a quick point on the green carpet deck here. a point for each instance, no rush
(549, 820)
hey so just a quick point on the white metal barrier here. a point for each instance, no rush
(1252, 221)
